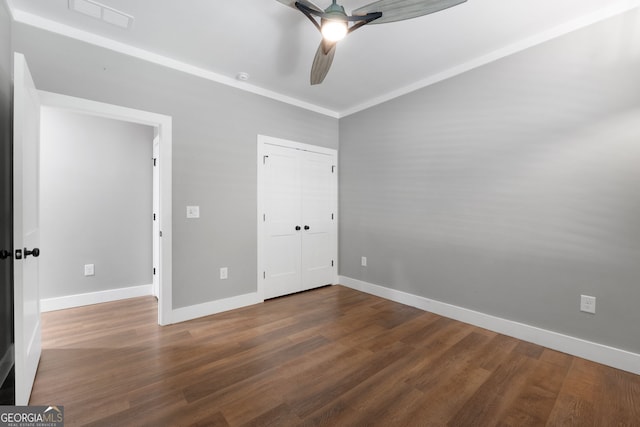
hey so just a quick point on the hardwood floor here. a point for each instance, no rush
(333, 357)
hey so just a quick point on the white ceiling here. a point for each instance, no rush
(275, 44)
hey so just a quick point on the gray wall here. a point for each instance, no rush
(510, 189)
(215, 130)
(6, 208)
(96, 203)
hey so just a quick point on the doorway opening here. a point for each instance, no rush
(162, 152)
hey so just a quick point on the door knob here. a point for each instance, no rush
(306, 227)
(35, 252)
(297, 228)
(4, 254)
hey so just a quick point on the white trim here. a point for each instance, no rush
(163, 124)
(109, 111)
(264, 140)
(589, 350)
(90, 298)
(611, 10)
(260, 209)
(85, 36)
(156, 209)
(584, 21)
(213, 307)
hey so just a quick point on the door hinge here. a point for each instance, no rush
(333, 168)
(264, 217)
(160, 233)
(264, 274)
(155, 163)
(331, 216)
(154, 271)
(264, 160)
(331, 263)
(154, 217)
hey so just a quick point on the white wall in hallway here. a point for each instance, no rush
(96, 204)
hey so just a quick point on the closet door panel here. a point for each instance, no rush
(282, 246)
(318, 211)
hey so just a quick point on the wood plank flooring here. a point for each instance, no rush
(328, 357)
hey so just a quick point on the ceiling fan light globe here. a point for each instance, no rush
(334, 31)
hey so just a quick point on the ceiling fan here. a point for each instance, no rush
(334, 24)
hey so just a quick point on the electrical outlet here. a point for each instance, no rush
(363, 261)
(89, 270)
(193, 211)
(588, 304)
(224, 273)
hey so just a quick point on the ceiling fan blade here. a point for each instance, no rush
(322, 61)
(399, 10)
(292, 3)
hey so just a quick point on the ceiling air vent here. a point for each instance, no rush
(102, 12)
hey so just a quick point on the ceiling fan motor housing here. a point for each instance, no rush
(335, 12)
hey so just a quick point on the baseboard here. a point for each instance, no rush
(213, 307)
(610, 356)
(79, 300)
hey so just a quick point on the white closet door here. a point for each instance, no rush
(318, 219)
(282, 245)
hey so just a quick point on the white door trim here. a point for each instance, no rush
(163, 125)
(156, 213)
(264, 140)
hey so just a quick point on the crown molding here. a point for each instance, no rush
(616, 8)
(104, 42)
(612, 9)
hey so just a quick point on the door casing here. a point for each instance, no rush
(263, 141)
(163, 131)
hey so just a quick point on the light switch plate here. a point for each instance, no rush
(193, 211)
(89, 270)
(224, 273)
(588, 304)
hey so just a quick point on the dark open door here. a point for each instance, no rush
(6, 217)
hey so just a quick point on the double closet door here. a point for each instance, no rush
(299, 218)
